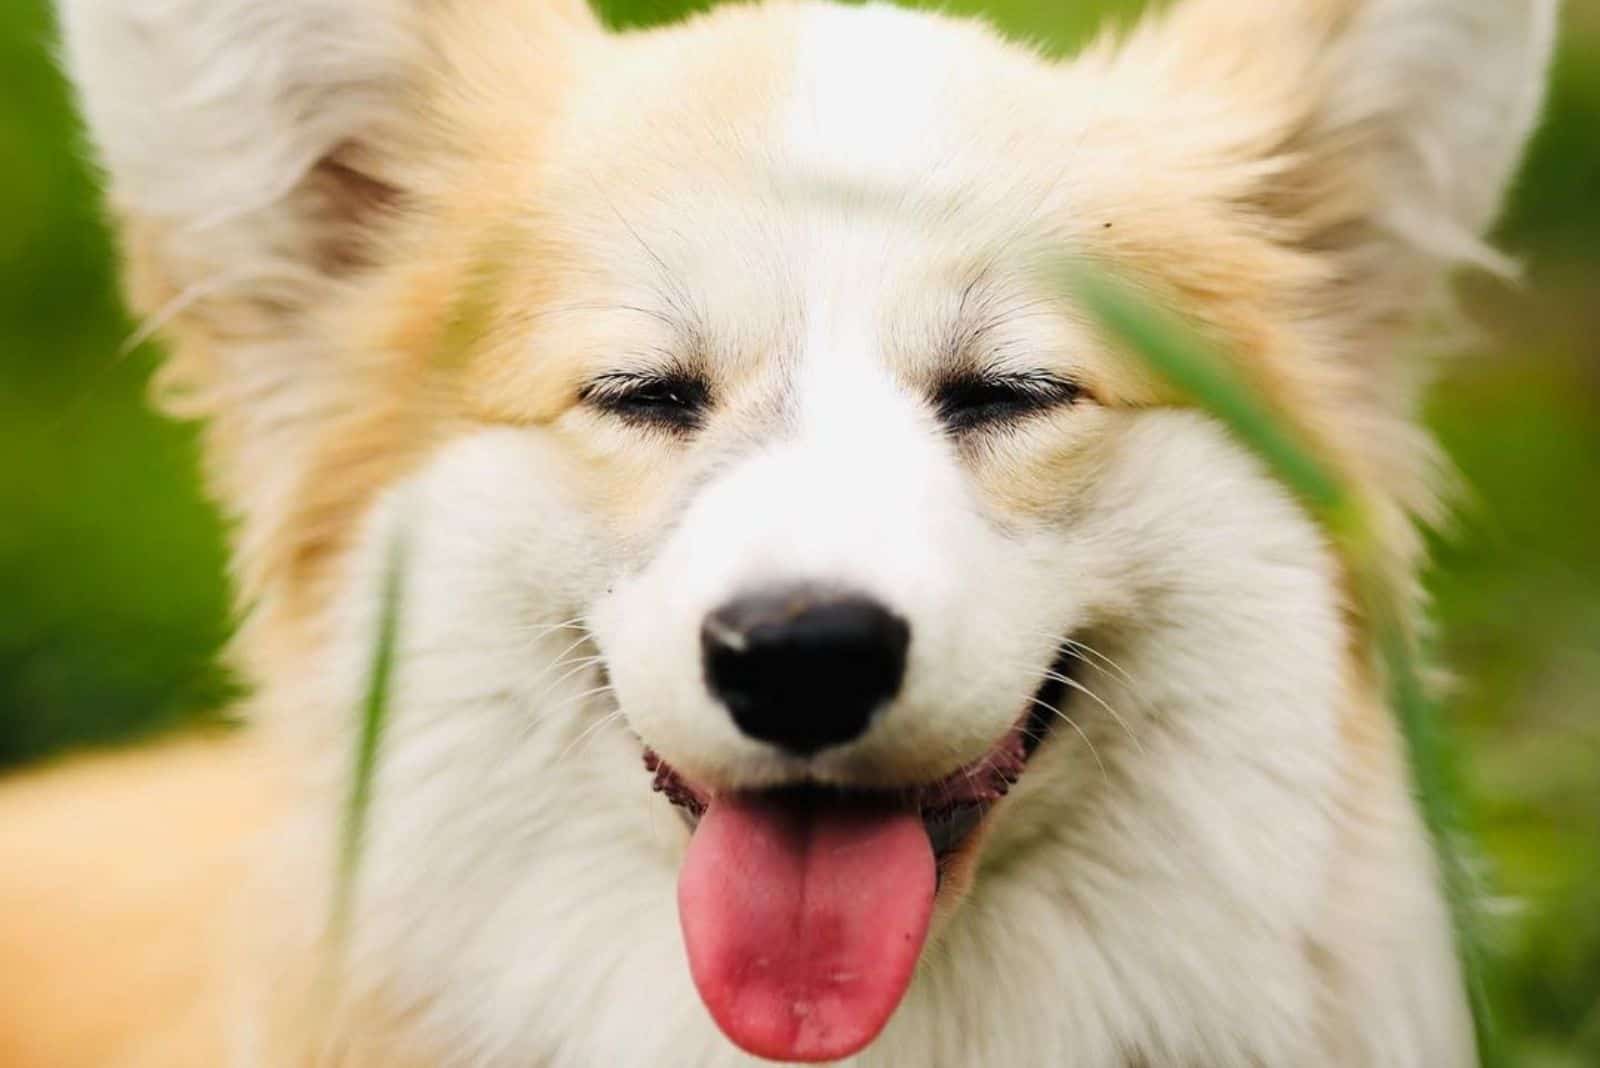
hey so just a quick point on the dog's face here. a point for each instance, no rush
(721, 388)
(845, 402)
(840, 448)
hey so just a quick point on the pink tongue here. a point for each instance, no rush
(804, 921)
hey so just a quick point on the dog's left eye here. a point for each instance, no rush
(974, 401)
(673, 401)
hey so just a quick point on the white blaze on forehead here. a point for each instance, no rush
(869, 91)
(865, 473)
(845, 394)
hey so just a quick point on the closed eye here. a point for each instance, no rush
(979, 400)
(674, 401)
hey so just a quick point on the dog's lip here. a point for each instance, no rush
(953, 807)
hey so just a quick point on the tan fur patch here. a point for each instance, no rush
(121, 960)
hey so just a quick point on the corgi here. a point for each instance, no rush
(813, 643)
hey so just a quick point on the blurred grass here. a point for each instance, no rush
(111, 562)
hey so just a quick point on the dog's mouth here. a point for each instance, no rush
(805, 909)
(951, 809)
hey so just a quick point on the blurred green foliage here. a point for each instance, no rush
(111, 563)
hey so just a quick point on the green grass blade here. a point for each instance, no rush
(374, 716)
(1176, 353)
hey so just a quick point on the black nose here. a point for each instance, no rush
(804, 670)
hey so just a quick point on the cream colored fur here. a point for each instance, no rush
(390, 239)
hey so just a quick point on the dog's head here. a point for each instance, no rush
(719, 383)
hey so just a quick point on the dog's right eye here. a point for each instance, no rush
(972, 402)
(672, 401)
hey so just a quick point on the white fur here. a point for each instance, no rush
(1451, 82)
(1105, 922)
(1205, 875)
(209, 110)
(868, 101)
(855, 489)
(208, 116)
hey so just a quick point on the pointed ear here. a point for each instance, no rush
(1377, 135)
(256, 153)
(207, 111)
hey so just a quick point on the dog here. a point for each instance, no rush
(811, 640)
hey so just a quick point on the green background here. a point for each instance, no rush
(112, 602)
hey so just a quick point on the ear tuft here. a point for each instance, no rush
(1444, 96)
(1387, 130)
(208, 110)
(259, 154)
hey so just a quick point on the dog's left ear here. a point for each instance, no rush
(1376, 135)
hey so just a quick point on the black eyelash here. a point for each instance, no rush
(673, 401)
(976, 400)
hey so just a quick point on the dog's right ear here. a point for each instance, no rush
(255, 152)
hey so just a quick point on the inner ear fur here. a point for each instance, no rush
(263, 161)
(1376, 135)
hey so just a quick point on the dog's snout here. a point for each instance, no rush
(804, 670)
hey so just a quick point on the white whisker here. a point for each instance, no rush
(1088, 650)
(540, 629)
(567, 702)
(608, 718)
(559, 660)
(582, 664)
(1074, 684)
(1088, 653)
(188, 298)
(1081, 734)
(562, 655)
